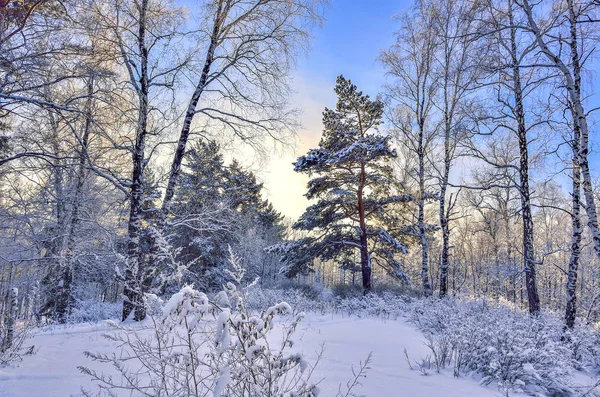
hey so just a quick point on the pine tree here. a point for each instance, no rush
(358, 202)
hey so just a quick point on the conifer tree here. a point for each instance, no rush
(217, 206)
(358, 202)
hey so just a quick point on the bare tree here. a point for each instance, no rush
(410, 61)
(514, 81)
(576, 233)
(568, 25)
(564, 37)
(242, 86)
(139, 36)
(458, 65)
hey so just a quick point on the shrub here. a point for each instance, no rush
(201, 346)
(510, 348)
(93, 310)
(347, 291)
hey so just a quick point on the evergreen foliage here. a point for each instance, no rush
(358, 202)
(218, 206)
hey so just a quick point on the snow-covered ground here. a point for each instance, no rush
(52, 372)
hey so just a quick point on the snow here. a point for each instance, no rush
(347, 340)
(221, 382)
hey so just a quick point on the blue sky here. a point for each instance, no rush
(350, 42)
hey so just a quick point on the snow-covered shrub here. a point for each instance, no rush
(385, 305)
(509, 348)
(347, 291)
(93, 310)
(584, 344)
(201, 347)
(321, 302)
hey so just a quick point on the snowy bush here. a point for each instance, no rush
(93, 310)
(584, 344)
(386, 305)
(201, 347)
(259, 299)
(509, 348)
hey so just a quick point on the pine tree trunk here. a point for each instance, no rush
(365, 261)
(132, 291)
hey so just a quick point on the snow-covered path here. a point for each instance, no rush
(52, 372)
(349, 340)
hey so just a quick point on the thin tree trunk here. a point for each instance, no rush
(56, 276)
(445, 254)
(571, 287)
(10, 319)
(65, 301)
(519, 113)
(132, 290)
(425, 282)
(572, 82)
(222, 10)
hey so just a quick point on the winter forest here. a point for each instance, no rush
(435, 231)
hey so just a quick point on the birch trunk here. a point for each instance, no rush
(519, 114)
(445, 254)
(10, 319)
(221, 14)
(425, 282)
(577, 231)
(133, 298)
(572, 82)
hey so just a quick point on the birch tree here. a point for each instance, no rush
(563, 33)
(243, 84)
(515, 81)
(458, 67)
(576, 230)
(139, 36)
(412, 95)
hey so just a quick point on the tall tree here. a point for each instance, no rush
(140, 36)
(564, 37)
(355, 191)
(458, 68)
(412, 95)
(218, 206)
(242, 86)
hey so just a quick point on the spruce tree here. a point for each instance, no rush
(358, 202)
(231, 196)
